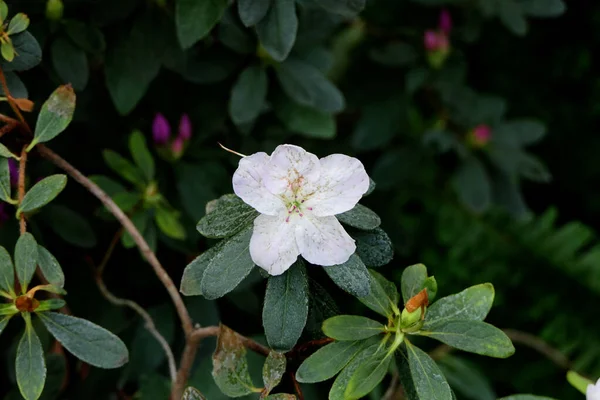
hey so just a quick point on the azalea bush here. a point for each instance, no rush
(297, 199)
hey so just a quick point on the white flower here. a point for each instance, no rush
(593, 391)
(298, 195)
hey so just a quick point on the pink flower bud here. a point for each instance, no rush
(13, 167)
(436, 41)
(445, 23)
(161, 130)
(185, 127)
(177, 147)
(481, 135)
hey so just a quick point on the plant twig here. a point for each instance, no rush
(392, 391)
(150, 326)
(11, 101)
(21, 188)
(297, 387)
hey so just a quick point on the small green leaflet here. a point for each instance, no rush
(351, 327)
(248, 95)
(5, 189)
(43, 193)
(420, 376)
(360, 217)
(7, 272)
(230, 215)
(273, 370)
(384, 296)
(472, 304)
(26, 256)
(326, 362)
(351, 276)
(50, 267)
(192, 394)
(195, 19)
(141, 155)
(55, 116)
(413, 280)
(30, 364)
(277, 30)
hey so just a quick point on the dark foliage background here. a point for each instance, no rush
(545, 268)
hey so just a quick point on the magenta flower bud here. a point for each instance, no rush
(481, 135)
(161, 130)
(13, 167)
(436, 41)
(177, 147)
(445, 24)
(185, 127)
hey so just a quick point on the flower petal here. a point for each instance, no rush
(323, 241)
(289, 168)
(273, 245)
(248, 185)
(342, 183)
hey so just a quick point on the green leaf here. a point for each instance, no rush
(30, 364)
(141, 155)
(413, 280)
(5, 189)
(86, 341)
(326, 362)
(472, 184)
(70, 63)
(141, 220)
(519, 132)
(471, 304)
(229, 266)
(273, 370)
(368, 375)
(248, 95)
(28, 53)
(467, 378)
(340, 384)
(8, 309)
(305, 120)
(379, 123)
(384, 296)
(473, 336)
(351, 276)
(526, 397)
(8, 51)
(195, 19)
(233, 35)
(18, 24)
(194, 271)
(71, 226)
(252, 11)
(43, 193)
(50, 304)
(420, 376)
(191, 393)
(308, 86)
(5, 152)
(56, 114)
(277, 30)
(26, 256)
(544, 8)
(578, 382)
(512, 15)
(109, 185)
(230, 215)
(351, 327)
(168, 222)
(124, 167)
(4, 321)
(346, 8)
(7, 272)
(85, 35)
(285, 310)
(50, 267)
(360, 217)
(281, 396)
(230, 367)
(374, 247)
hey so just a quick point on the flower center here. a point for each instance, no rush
(296, 207)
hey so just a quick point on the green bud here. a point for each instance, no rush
(54, 10)
(432, 288)
(411, 321)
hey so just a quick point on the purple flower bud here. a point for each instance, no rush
(185, 127)
(14, 172)
(445, 24)
(481, 135)
(436, 41)
(161, 130)
(177, 147)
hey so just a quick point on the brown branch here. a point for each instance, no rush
(150, 326)
(11, 101)
(392, 391)
(21, 188)
(297, 387)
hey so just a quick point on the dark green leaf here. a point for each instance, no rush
(229, 266)
(351, 276)
(519, 132)
(378, 124)
(544, 8)
(351, 327)
(326, 362)
(233, 35)
(141, 155)
(420, 376)
(26, 256)
(141, 220)
(86, 341)
(277, 30)
(7, 272)
(526, 397)
(123, 167)
(248, 95)
(51, 304)
(346, 8)
(466, 378)
(472, 304)
(8, 309)
(50, 267)
(109, 185)
(473, 336)
(512, 16)
(191, 393)
(168, 222)
(384, 296)
(27, 50)
(195, 19)
(308, 86)
(472, 185)
(395, 54)
(4, 321)
(374, 248)
(340, 384)
(285, 309)
(230, 215)
(30, 364)
(281, 396)
(16, 87)
(413, 280)
(56, 114)
(305, 120)
(273, 370)
(43, 192)
(70, 226)
(368, 375)
(230, 367)
(252, 11)
(533, 168)
(5, 189)
(360, 217)
(70, 62)
(193, 273)
(86, 36)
